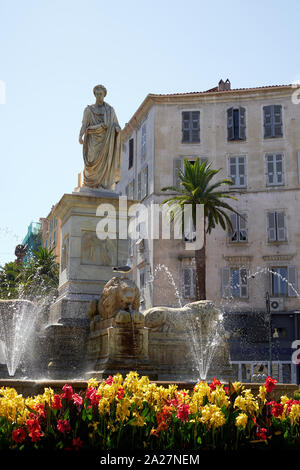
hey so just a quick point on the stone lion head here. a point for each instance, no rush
(118, 294)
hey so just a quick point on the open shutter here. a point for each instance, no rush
(139, 186)
(277, 121)
(268, 121)
(225, 282)
(186, 126)
(233, 170)
(292, 279)
(194, 280)
(234, 233)
(243, 282)
(243, 232)
(271, 227)
(146, 180)
(230, 134)
(242, 126)
(176, 167)
(281, 233)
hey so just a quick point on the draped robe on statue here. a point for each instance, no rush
(101, 147)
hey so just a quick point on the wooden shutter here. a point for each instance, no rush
(195, 126)
(233, 170)
(176, 167)
(230, 134)
(186, 122)
(270, 164)
(243, 282)
(277, 121)
(268, 121)
(242, 123)
(292, 279)
(130, 159)
(241, 169)
(225, 282)
(281, 232)
(139, 186)
(143, 141)
(278, 165)
(271, 226)
(234, 233)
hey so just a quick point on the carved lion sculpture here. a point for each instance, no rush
(118, 294)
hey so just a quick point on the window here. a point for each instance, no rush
(191, 126)
(142, 279)
(237, 171)
(272, 121)
(236, 124)
(143, 141)
(276, 226)
(284, 281)
(234, 282)
(130, 159)
(189, 282)
(143, 183)
(274, 169)
(240, 230)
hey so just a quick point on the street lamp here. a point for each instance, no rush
(268, 307)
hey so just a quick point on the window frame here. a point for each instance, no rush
(237, 168)
(190, 129)
(275, 173)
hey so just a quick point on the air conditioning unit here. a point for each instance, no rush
(276, 304)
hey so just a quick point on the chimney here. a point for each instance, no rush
(224, 86)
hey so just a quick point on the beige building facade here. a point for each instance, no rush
(253, 136)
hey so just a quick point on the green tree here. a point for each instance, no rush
(8, 280)
(196, 187)
(38, 277)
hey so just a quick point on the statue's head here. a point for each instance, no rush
(100, 92)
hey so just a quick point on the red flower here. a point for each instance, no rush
(277, 408)
(77, 399)
(121, 393)
(56, 404)
(214, 384)
(77, 443)
(109, 380)
(261, 433)
(41, 410)
(270, 384)
(34, 428)
(63, 426)
(68, 392)
(226, 390)
(183, 412)
(18, 435)
(93, 396)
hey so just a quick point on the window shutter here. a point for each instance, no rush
(243, 282)
(146, 181)
(130, 160)
(233, 170)
(187, 282)
(139, 186)
(292, 279)
(279, 168)
(194, 277)
(277, 121)
(243, 232)
(268, 121)
(176, 167)
(230, 135)
(271, 227)
(143, 143)
(225, 282)
(241, 171)
(298, 156)
(234, 232)
(281, 234)
(242, 126)
(270, 169)
(186, 126)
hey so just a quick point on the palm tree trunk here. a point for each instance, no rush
(201, 272)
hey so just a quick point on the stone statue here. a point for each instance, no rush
(101, 140)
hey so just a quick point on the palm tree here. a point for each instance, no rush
(196, 187)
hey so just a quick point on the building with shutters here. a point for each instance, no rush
(252, 134)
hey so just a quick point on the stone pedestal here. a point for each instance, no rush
(118, 344)
(85, 267)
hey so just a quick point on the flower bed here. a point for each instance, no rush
(134, 414)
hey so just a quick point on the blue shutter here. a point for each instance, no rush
(242, 126)
(268, 121)
(230, 135)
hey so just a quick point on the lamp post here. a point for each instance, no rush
(268, 307)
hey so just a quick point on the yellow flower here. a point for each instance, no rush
(212, 416)
(138, 421)
(295, 413)
(241, 420)
(262, 393)
(93, 383)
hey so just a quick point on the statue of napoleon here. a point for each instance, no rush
(101, 139)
